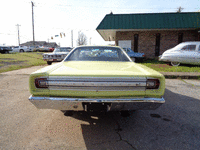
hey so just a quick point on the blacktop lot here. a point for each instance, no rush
(174, 125)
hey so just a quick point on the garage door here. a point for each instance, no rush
(124, 43)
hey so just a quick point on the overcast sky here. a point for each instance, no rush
(55, 16)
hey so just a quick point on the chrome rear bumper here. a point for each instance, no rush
(55, 59)
(79, 104)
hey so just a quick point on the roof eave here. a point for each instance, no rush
(110, 34)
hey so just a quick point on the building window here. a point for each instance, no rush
(136, 43)
(180, 38)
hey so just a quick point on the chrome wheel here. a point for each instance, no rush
(175, 63)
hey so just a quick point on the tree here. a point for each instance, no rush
(82, 39)
(179, 9)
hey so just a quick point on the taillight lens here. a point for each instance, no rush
(41, 83)
(153, 84)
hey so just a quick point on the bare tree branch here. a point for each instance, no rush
(180, 9)
(82, 39)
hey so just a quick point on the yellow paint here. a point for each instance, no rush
(97, 69)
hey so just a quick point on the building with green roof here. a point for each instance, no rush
(150, 33)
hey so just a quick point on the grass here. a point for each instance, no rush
(165, 67)
(14, 61)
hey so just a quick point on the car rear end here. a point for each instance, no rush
(89, 92)
(53, 57)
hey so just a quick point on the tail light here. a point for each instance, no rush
(41, 83)
(152, 84)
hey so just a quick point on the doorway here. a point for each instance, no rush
(157, 46)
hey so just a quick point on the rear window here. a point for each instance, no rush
(189, 48)
(62, 50)
(97, 54)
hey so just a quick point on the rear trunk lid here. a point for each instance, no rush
(100, 79)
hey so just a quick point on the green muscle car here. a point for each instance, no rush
(97, 78)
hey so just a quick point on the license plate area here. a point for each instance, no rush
(96, 107)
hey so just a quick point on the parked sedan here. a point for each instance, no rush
(51, 49)
(31, 48)
(58, 55)
(134, 56)
(186, 53)
(5, 49)
(92, 78)
(41, 49)
(21, 49)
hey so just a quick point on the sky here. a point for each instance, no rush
(52, 17)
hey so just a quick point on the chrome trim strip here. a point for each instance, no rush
(97, 79)
(92, 84)
(97, 83)
(101, 88)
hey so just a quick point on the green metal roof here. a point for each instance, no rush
(151, 21)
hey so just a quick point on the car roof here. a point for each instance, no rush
(192, 42)
(98, 46)
(63, 47)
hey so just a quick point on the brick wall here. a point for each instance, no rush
(147, 40)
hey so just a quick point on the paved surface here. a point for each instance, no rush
(174, 125)
(25, 71)
(182, 75)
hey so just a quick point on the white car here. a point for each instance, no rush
(21, 49)
(31, 48)
(57, 55)
(185, 53)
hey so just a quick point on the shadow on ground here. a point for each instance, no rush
(175, 125)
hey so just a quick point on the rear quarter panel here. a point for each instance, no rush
(44, 72)
(150, 73)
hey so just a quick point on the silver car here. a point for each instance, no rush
(57, 55)
(185, 53)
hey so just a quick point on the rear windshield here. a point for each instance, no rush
(62, 50)
(97, 54)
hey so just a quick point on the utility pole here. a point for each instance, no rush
(18, 33)
(72, 37)
(90, 40)
(33, 25)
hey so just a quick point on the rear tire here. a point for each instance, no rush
(175, 63)
(133, 59)
(21, 50)
(49, 62)
(68, 113)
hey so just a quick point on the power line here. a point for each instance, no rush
(96, 6)
(7, 34)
